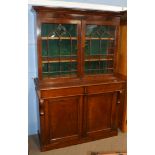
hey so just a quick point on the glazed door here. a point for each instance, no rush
(100, 114)
(100, 47)
(59, 48)
(63, 122)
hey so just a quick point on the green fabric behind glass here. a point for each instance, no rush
(95, 47)
(92, 67)
(46, 29)
(98, 47)
(65, 67)
(59, 48)
(100, 31)
(55, 45)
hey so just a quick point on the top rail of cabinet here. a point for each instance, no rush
(77, 11)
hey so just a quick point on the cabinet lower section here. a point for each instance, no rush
(61, 144)
(78, 114)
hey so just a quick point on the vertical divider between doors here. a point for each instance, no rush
(80, 115)
(79, 48)
(113, 112)
(117, 48)
(83, 24)
(85, 110)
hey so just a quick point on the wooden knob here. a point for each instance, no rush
(42, 107)
(41, 101)
(118, 102)
(41, 113)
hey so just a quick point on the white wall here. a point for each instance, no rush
(32, 72)
(122, 3)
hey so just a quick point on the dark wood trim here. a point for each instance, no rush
(116, 22)
(60, 21)
(79, 49)
(116, 49)
(39, 48)
(122, 70)
(42, 121)
(123, 18)
(76, 11)
(82, 46)
(113, 112)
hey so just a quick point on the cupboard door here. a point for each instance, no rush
(59, 48)
(100, 42)
(101, 113)
(64, 119)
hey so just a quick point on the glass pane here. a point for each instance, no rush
(59, 49)
(100, 31)
(59, 68)
(64, 29)
(99, 49)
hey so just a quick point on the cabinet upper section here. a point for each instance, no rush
(76, 43)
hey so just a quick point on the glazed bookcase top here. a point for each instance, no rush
(73, 44)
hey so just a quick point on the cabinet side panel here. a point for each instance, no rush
(122, 69)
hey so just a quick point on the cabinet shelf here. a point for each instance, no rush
(87, 56)
(99, 56)
(56, 61)
(59, 59)
(74, 38)
(59, 56)
(74, 60)
(60, 72)
(101, 59)
(99, 69)
(93, 38)
(57, 38)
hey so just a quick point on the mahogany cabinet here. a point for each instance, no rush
(79, 89)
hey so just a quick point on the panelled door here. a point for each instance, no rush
(63, 119)
(100, 114)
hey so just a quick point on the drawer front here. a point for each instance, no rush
(105, 88)
(63, 92)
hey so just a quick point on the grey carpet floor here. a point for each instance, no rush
(112, 144)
